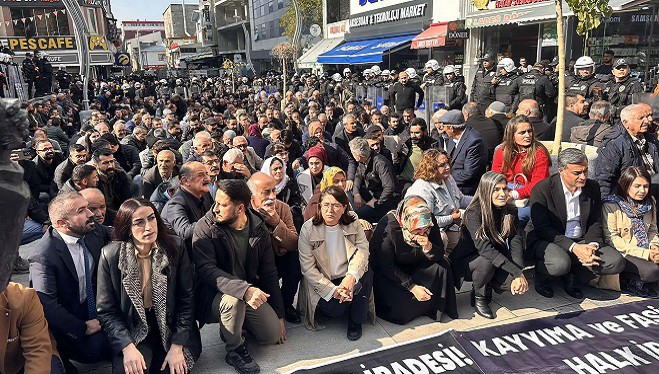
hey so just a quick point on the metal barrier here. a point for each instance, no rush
(360, 92)
(376, 95)
(16, 87)
(434, 98)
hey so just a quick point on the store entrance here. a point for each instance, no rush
(520, 41)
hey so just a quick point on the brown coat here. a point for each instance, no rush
(25, 342)
(284, 236)
(618, 233)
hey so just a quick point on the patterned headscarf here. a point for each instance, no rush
(413, 216)
(266, 169)
(328, 177)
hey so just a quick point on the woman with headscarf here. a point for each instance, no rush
(256, 140)
(411, 276)
(286, 188)
(311, 177)
(490, 250)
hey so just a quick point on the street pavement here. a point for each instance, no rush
(304, 347)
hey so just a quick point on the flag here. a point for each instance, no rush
(55, 12)
(15, 21)
(63, 11)
(6, 23)
(23, 20)
(47, 15)
(40, 16)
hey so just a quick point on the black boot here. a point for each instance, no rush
(542, 285)
(571, 284)
(480, 304)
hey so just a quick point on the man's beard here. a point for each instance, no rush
(83, 230)
(227, 221)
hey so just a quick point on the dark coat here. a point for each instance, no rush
(541, 129)
(342, 141)
(549, 214)
(488, 130)
(182, 212)
(376, 180)
(481, 88)
(570, 120)
(119, 304)
(214, 251)
(63, 172)
(152, 180)
(469, 159)
(53, 275)
(510, 260)
(259, 144)
(128, 158)
(115, 190)
(618, 152)
(404, 97)
(46, 173)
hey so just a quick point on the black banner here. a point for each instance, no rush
(620, 339)
(440, 353)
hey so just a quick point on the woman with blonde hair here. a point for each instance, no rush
(434, 183)
(490, 251)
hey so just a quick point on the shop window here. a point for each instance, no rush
(93, 29)
(161, 57)
(39, 22)
(337, 10)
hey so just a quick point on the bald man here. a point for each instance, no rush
(164, 170)
(279, 219)
(97, 205)
(252, 160)
(541, 129)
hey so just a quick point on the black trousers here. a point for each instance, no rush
(373, 215)
(639, 269)
(88, 349)
(553, 260)
(482, 272)
(357, 308)
(151, 349)
(288, 269)
(30, 87)
(56, 366)
(397, 305)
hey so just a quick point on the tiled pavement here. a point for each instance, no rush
(305, 347)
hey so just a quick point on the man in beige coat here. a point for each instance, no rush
(279, 219)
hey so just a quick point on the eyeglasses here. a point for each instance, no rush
(241, 146)
(327, 206)
(622, 67)
(211, 162)
(46, 149)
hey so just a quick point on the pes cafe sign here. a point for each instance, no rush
(51, 43)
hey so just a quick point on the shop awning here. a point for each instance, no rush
(434, 36)
(363, 52)
(310, 58)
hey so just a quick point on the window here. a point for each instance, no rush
(280, 4)
(271, 7)
(263, 34)
(161, 57)
(39, 22)
(93, 29)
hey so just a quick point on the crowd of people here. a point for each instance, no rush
(181, 203)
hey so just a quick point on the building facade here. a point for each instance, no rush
(181, 33)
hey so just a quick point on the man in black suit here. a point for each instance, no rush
(488, 130)
(565, 232)
(531, 109)
(467, 151)
(63, 266)
(189, 203)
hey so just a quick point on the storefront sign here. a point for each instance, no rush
(501, 4)
(483, 13)
(458, 34)
(403, 13)
(399, 18)
(364, 6)
(337, 29)
(50, 43)
(48, 3)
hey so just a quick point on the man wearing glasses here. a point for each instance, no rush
(46, 162)
(621, 90)
(63, 171)
(253, 161)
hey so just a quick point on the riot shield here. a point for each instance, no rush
(360, 92)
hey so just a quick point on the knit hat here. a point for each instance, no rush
(254, 130)
(317, 151)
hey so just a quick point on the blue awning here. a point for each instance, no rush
(362, 52)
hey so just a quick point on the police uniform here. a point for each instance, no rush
(455, 93)
(590, 87)
(482, 91)
(620, 93)
(537, 86)
(506, 90)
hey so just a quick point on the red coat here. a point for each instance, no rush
(540, 170)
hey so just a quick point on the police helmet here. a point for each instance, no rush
(432, 64)
(507, 64)
(584, 62)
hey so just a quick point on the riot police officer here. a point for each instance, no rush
(455, 87)
(504, 85)
(621, 90)
(30, 73)
(63, 78)
(432, 75)
(536, 85)
(585, 83)
(481, 88)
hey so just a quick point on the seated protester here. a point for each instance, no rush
(531, 109)
(63, 268)
(256, 140)
(291, 145)
(77, 156)
(212, 164)
(334, 260)
(485, 126)
(407, 256)
(252, 160)
(374, 191)
(630, 226)
(286, 188)
(125, 155)
(467, 151)
(434, 183)
(46, 162)
(164, 170)
(564, 235)
(523, 160)
(490, 251)
(335, 155)
(164, 193)
(237, 281)
(628, 144)
(31, 349)
(576, 108)
(233, 165)
(593, 131)
(84, 176)
(347, 132)
(410, 151)
(311, 177)
(201, 143)
(113, 181)
(374, 136)
(100, 213)
(191, 202)
(146, 295)
(279, 220)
